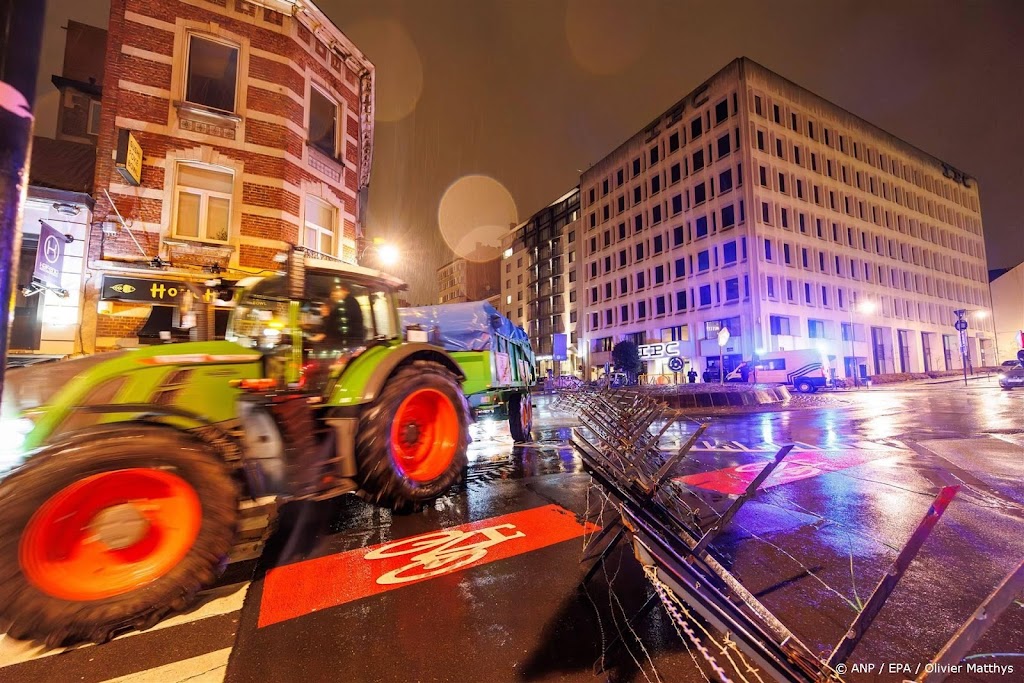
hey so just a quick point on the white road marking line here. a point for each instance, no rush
(213, 602)
(208, 668)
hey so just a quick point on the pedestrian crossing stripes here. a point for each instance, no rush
(193, 645)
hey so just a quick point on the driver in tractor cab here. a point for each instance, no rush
(340, 327)
(341, 320)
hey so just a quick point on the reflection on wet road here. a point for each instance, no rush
(485, 583)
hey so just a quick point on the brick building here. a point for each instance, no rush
(47, 315)
(255, 123)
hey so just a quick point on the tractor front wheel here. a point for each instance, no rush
(111, 529)
(412, 442)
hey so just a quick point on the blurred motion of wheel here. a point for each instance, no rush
(111, 529)
(520, 417)
(412, 442)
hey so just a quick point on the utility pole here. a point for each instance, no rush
(21, 32)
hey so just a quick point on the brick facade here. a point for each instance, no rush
(264, 143)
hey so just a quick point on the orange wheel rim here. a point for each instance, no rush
(110, 533)
(424, 435)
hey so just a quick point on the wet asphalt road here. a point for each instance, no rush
(506, 607)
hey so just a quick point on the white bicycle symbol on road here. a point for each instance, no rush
(440, 552)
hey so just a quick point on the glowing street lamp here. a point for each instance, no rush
(387, 253)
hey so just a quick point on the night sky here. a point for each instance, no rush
(487, 110)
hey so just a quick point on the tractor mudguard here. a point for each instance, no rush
(363, 379)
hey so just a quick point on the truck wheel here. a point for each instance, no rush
(520, 417)
(805, 387)
(109, 530)
(412, 441)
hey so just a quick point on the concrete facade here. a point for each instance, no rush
(754, 204)
(256, 125)
(539, 273)
(1008, 311)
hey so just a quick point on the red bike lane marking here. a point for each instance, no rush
(795, 467)
(298, 589)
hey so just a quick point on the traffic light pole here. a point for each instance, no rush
(21, 31)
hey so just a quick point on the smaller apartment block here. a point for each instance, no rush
(539, 275)
(463, 280)
(756, 205)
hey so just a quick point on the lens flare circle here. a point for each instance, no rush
(399, 69)
(606, 37)
(475, 212)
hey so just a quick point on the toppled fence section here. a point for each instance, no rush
(671, 528)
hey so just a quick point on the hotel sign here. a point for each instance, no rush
(49, 255)
(128, 160)
(653, 351)
(151, 291)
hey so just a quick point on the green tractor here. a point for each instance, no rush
(130, 479)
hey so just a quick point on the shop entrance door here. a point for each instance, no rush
(27, 327)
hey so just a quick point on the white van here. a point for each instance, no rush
(806, 370)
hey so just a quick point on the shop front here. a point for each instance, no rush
(136, 310)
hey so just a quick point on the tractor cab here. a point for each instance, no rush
(310, 327)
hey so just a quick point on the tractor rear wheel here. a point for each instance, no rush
(520, 417)
(412, 441)
(111, 529)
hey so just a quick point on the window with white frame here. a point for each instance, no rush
(323, 122)
(93, 126)
(211, 73)
(202, 202)
(321, 227)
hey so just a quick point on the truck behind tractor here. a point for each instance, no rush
(131, 478)
(494, 354)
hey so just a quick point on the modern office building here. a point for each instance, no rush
(465, 279)
(756, 205)
(1008, 311)
(539, 271)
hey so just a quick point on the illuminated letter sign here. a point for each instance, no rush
(652, 351)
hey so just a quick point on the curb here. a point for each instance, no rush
(727, 399)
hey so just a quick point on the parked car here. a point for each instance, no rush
(1011, 376)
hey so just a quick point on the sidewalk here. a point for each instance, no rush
(980, 377)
